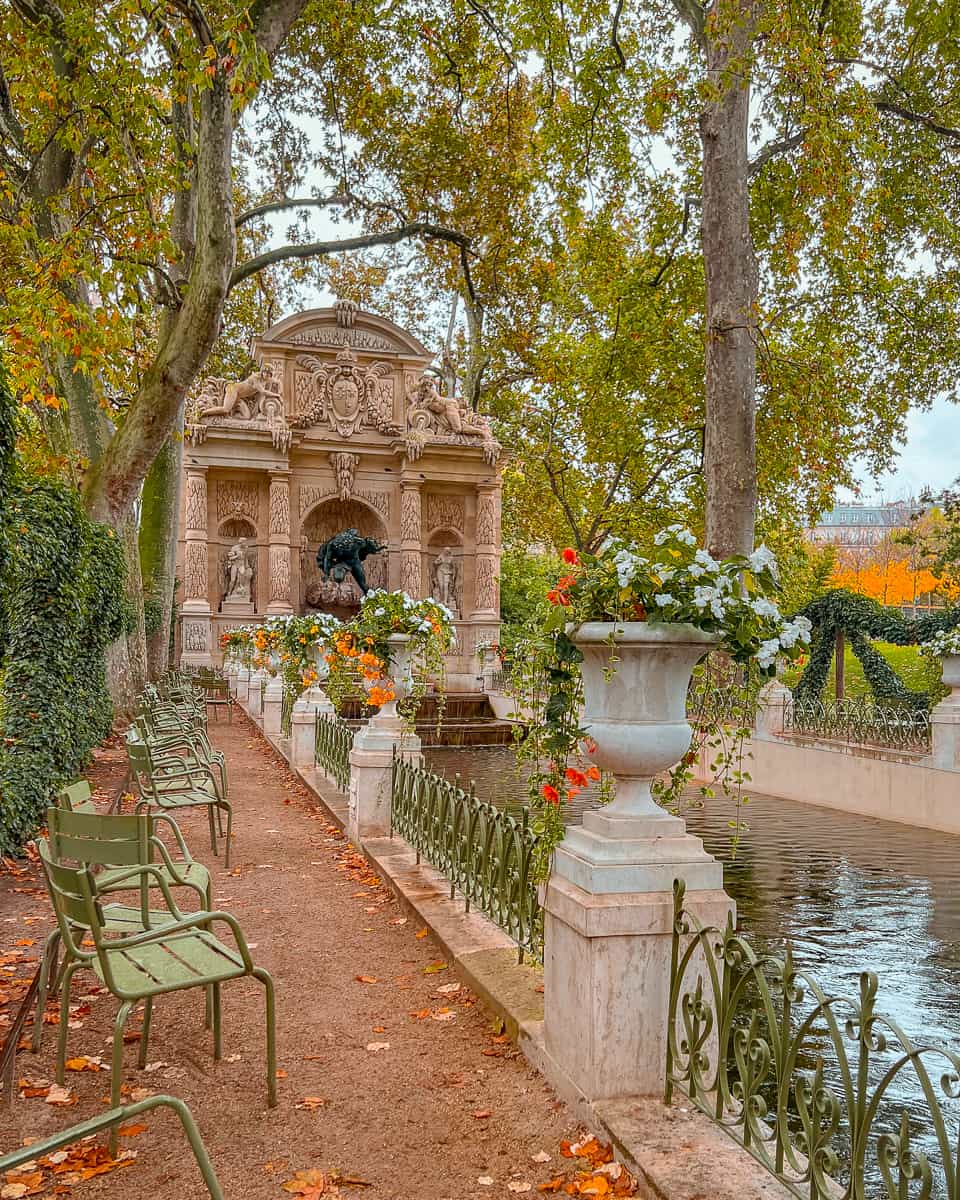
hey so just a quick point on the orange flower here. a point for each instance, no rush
(577, 778)
(570, 557)
(550, 794)
(593, 773)
(557, 597)
(566, 581)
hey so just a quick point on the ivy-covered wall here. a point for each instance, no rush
(61, 595)
(862, 620)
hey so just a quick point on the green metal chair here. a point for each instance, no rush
(116, 844)
(76, 797)
(108, 1120)
(139, 966)
(189, 743)
(171, 782)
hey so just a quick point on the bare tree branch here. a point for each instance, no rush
(916, 118)
(773, 149)
(614, 38)
(196, 18)
(362, 241)
(270, 206)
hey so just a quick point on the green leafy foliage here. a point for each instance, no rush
(862, 621)
(63, 593)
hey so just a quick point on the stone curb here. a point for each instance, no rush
(675, 1152)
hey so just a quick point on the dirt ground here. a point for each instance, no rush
(411, 1089)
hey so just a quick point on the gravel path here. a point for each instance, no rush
(443, 1101)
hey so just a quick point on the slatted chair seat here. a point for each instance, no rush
(138, 966)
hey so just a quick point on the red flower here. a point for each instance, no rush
(576, 777)
(570, 557)
(550, 794)
(557, 597)
(566, 581)
(593, 773)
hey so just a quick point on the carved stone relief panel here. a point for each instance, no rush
(311, 495)
(488, 591)
(410, 515)
(486, 519)
(411, 573)
(196, 506)
(195, 637)
(279, 506)
(279, 573)
(345, 469)
(237, 498)
(445, 511)
(347, 395)
(195, 571)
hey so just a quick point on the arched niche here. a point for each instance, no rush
(325, 519)
(229, 532)
(442, 583)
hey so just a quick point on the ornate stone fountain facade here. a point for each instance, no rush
(339, 427)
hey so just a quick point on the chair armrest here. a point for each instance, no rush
(137, 873)
(176, 834)
(129, 940)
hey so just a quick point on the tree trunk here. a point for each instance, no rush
(126, 658)
(159, 511)
(730, 265)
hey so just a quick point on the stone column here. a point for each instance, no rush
(273, 706)
(279, 528)
(371, 774)
(411, 538)
(773, 700)
(486, 589)
(254, 694)
(196, 633)
(945, 720)
(607, 950)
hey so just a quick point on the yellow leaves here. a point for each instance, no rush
(84, 1064)
(366, 979)
(311, 1103)
(434, 967)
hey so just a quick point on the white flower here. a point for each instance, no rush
(703, 559)
(765, 608)
(708, 597)
(762, 557)
(667, 574)
(795, 631)
(768, 651)
(379, 612)
(663, 599)
(695, 570)
(661, 537)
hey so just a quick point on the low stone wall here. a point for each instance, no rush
(871, 784)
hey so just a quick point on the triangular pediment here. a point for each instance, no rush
(340, 326)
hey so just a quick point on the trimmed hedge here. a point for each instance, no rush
(862, 620)
(63, 603)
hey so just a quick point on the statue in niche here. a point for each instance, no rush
(444, 580)
(428, 409)
(343, 555)
(249, 396)
(238, 573)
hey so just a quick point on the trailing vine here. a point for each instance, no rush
(62, 590)
(860, 620)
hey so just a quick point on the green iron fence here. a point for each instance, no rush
(859, 722)
(485, 853)
(830, 1095)
(286, 712)
(332, 753)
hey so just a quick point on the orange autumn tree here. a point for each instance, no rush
(890, 572)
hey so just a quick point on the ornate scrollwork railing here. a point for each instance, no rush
(859, 722)
(332, 749)
(830, 1095)
(484, 852)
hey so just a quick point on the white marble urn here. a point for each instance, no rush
(399, 671)
(635, 680)
(951, 674)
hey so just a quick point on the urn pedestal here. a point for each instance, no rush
(945, 719)
(609, 901)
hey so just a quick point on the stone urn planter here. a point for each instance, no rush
(950, 664)
(400, 673)
(635, 680)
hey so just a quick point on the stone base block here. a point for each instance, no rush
(636, 855)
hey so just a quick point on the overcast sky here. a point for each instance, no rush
(931, 457)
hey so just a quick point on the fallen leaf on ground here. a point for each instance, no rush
(398, 921)
(485, 1180)
(447, 988)
(517, 1186)
(540, 1157)
(61, 1096)
(281, 1073)
(311, 1103)
(422, 933)
(25, 942)
(309, 1184)
(553, 1185)
(481, 1114)
(131, 1130)
(374, 1046)
(366, 979)
(233, 1058)
(84, 1064)
(434, 967)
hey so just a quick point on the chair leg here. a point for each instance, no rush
(208, 1007)
(213, 828)
(64, 1020)
(217, 1024)
(267, 980)
(145, 1032)
(48, 977)
(116, 1066)
(229, 838)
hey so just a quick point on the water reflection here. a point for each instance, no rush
(851, 894)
